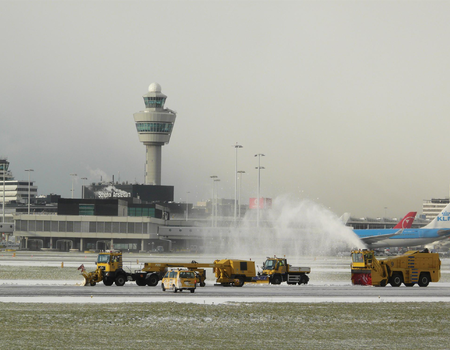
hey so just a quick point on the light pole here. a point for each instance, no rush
(187, 206)
(213, 178)
(217, 199)
(83, 178)
(241, 172)
(73, 176)
(236, 147)
(4, 179)
(29, 189)
(259, 167)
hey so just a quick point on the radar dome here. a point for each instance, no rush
(154, 87)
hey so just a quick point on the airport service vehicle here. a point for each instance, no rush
(155, 271)
(413, 267)
(231, 272)
(179, 280)
(228, 272)
(110, 270)
(277, 270)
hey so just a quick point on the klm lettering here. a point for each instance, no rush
(444, 217)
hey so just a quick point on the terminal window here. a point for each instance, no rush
(86, 209)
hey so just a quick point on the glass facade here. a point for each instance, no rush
(141, 212)
(81, 226)
(154, 102)
(86, 209)
(154, 127)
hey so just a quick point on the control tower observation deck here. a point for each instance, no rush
(154, 126)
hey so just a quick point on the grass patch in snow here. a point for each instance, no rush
(39, 273)
(240, 326)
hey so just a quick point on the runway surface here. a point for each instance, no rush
(330, 282)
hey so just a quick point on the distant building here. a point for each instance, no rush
(432, 207)
(146, 193)
(13, 191)
(111, 207)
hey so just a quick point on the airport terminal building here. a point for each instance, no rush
(98, 224)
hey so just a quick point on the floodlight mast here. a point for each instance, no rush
(258, 204)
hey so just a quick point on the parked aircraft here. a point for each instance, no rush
(436, 230)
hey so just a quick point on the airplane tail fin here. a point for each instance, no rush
(442, 220)
(407, 221)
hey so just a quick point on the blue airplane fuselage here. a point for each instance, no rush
(407, 238)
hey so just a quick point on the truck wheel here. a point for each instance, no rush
(241, 281)
(396, 280)
(152, 280)
(303, 280)
(93, 283)
(162, 287)
(276, 279)
(141, 282)
(120, 280)
(192, 290)
(175, 289)
(424, 280)
(108, 282)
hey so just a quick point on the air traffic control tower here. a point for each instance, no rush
(154, 126)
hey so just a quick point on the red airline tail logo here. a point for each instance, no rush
(407, 221)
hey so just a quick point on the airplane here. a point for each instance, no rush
(436, 230)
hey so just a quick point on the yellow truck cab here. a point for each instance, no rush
(277, 270)
(110, 263)
(179, 280)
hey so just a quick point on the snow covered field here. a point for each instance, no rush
(231, 326)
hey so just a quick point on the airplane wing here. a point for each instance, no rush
(372, 239)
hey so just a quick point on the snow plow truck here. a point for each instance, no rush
(277, 270)
(413, 267)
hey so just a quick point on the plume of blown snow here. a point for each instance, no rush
(291, 227)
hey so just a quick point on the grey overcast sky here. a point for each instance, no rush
(348, 100)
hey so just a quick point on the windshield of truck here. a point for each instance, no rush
(103, 259)
(357, 257)
(269, 264)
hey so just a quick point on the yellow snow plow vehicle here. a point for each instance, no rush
(413, 267)
(277, 270)
(109, 270)
(231, 272)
